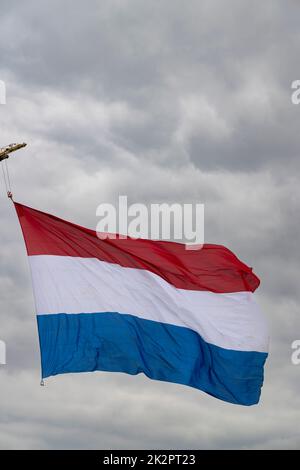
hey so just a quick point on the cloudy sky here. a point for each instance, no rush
(164, 101)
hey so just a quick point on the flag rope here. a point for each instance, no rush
(6, 179)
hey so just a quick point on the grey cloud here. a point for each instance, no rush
(162, 102)
(153, 54)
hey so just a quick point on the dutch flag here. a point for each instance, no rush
(132, 306)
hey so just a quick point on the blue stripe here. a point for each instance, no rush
(124, 343)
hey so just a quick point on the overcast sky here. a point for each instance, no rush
(164, 101)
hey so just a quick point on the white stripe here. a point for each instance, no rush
(65, 284)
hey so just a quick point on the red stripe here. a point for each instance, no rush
(213, 268)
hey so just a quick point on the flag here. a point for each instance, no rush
(138, 305)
